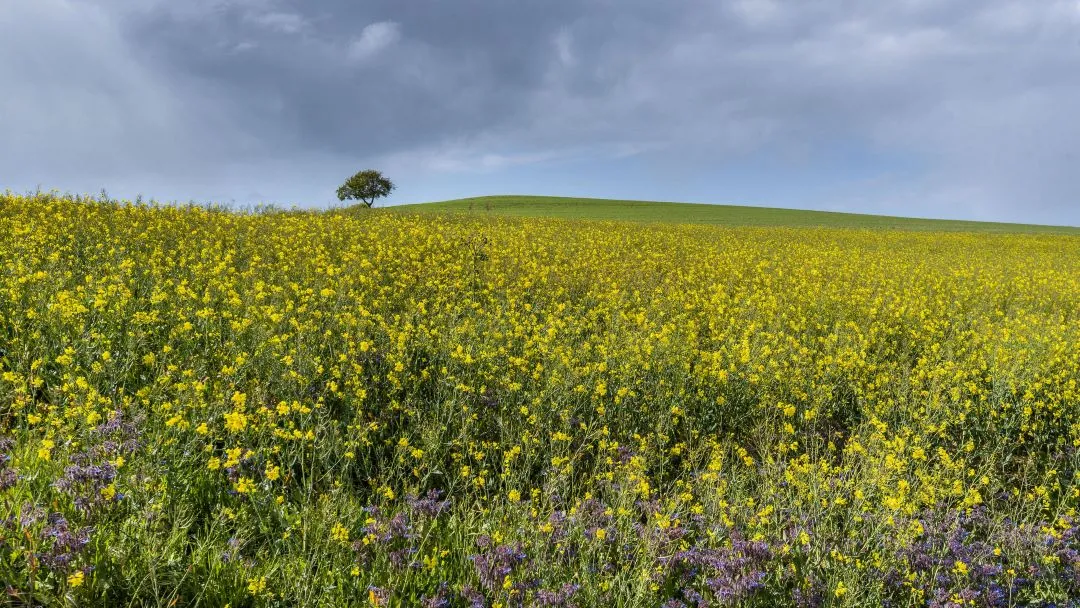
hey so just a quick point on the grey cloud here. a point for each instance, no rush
(974, 97)
(373, 39)
(79, 104)
(286, 23)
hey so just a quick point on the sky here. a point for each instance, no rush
(928, 108)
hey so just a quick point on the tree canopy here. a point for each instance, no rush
(366, 186)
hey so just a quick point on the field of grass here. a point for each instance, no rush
(201, 407)
(689, 213)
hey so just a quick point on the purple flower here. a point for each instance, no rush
(429, 506)
(474, 598)
(66, 543)
(8, 478)
(952, 537)
(494, 563)
(30, 514)
(560, 598)
(810, 596)
(128, 431)
(732, 574)
(401, 558)
(441, 599)
(557, 520)
(399, 527)
(86, 481)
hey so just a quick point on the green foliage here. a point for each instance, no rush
(366, 186)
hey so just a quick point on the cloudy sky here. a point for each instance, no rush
(938, 108)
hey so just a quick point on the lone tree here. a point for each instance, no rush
(365, 186)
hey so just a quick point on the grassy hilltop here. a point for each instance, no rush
(690, 213)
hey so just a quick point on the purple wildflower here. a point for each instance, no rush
(66, 543)
(494, 563)
(441, 599)
(8, 475)
(560, 598)
(429, 506)
(8, 478)
(474, 598)
(402, 558)
(732, 574)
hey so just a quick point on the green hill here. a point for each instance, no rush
(692, 213)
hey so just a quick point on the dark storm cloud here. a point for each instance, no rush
(954, 108)
(360, 78)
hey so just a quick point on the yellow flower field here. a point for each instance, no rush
(201, 407)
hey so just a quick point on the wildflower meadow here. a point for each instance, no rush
(210, 407)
